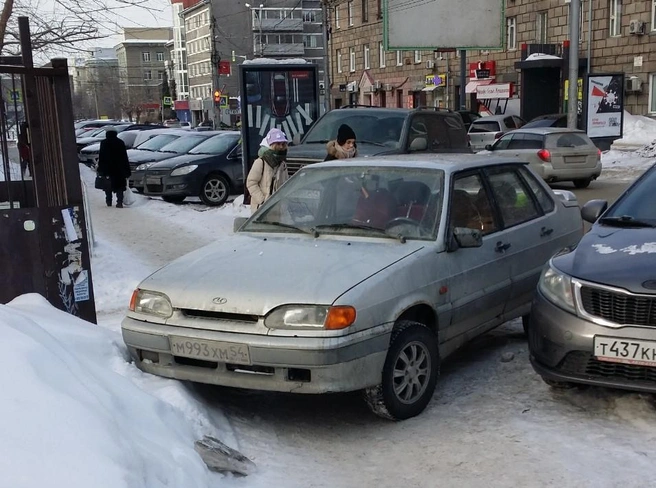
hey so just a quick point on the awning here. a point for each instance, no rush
(471, 86)
(430, 88)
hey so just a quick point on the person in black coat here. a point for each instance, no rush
(113, 162)
(344, 146)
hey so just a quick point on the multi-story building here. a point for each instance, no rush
(617, 33)
(96, 84)
(142, 57)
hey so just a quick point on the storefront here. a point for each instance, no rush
(435, 89)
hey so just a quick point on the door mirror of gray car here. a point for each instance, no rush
(593, 209)
(488, 147)
(465, 237)
(238, 223)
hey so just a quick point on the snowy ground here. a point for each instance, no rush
(76, 413)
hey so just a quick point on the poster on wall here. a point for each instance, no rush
(605, 105)
(276, 95)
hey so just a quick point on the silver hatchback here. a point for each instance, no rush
(359, 275)
(486, 130)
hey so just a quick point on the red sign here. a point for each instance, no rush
(181, 105)
(224, 68)
(300, 75)
(482, 65)
(149, 106)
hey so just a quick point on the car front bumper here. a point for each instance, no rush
(285, 364)
(164, 185)
(562, 349)
(548, 172)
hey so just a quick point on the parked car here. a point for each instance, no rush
(94, 136)
(416, 256)
(551, 120)
(180, 145)
(381, 131)
(144, 146)
(211, 171)
(555, 154)
(185, 125)
(468, 117)
(593, 319)
(486, 130)
(84, 126)
(89, 154)
(173, 123)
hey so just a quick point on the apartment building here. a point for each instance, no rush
(619, 35)
(95, 83)
(178, 55)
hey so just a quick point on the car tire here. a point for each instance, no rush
(178, 199)
(215, 190)
(582, 183)
(526, 320)
(391, 399)
(559, 385)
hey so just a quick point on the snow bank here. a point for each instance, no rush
(540, 56)
(638, 131)
(275, 61)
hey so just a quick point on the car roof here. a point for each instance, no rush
(549, 116)
(449, 163)
(493, 118)
(546, 130)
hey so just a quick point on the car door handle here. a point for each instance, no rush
(545, 232)
(502, 247)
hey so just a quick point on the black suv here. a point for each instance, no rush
(383, 131)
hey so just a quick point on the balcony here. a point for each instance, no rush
(282, 49)
(278, 25)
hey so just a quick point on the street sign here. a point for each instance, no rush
(15, 96)
(231, 111)
(167, 101)
(224, 103)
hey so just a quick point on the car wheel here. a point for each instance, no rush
(178, 199)
(582, 183)
(410, 373)
(559, 385)
(526, 319)
(215, 190)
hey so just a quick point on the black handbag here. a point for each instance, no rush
(103, 183)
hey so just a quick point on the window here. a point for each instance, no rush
(511, 33)
(511, 196)
(652, 93)
(381, 55)
(352, 59)
(541, 27)
(160, 57)
(310, 40)
(350, 13)
(366, 56)
(148, 75)
(145, 56)
(653, 15)
(417, 57)
(310, 16)
(546, 202)
(615, 22)
(470, 205)
(399, 58)
(337, 17)
(338, 55)
(365, 11)
(160, 75)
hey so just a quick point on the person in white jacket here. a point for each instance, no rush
(269, 171)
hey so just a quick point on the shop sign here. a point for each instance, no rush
(494, 90)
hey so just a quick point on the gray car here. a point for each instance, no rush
(556, 154)
(593, 318)
(359, 275)
(487, 130)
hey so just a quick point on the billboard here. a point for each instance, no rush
(605, 105)
(276, 95)
(434, 24)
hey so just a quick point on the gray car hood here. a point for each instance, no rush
(614, 256)
(254, 273)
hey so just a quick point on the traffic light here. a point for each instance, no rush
(217, 96)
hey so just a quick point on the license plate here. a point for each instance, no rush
(222, 352)
(575, 160)
(153, 181)
(626, 351)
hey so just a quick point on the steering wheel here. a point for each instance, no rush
(401, 221)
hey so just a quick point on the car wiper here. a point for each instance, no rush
(355, 225)
(287, 226)
(625, 221)
(372, 142)
(169, 152)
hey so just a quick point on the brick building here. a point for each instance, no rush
(621, 35)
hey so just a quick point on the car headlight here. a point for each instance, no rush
(557, 288)
(144, 166)
(184, 170)
(310, 317)
(151, 303)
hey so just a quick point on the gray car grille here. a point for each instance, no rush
(583, 363)
(232, 317)
(293, 165)
(619, 308)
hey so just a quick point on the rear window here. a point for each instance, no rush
(526, 141)
(568, 140)
(485, 126)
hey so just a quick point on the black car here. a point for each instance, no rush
(551, 120)
(382, 131)
(468, 117)
(211, 171)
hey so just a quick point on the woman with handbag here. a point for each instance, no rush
(113, 167)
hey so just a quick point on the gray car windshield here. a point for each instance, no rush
(636, 206)
(157, 142)
(367, 201)
(183, 144)
(216, 145)
(373, 126)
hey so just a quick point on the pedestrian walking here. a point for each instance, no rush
(113, 164)
(24, 152)
(269, 171)
(344, 146)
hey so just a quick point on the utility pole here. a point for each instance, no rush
(574, 36)
(463, 81)
(326, 66)
(216, 61)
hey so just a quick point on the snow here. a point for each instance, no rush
(540, 56)
(639, 131)
(77, 413)
(275, 61)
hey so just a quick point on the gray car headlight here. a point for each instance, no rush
(557, 288)
(151, 303)
(310, 317)
(144, 167)
(184, 170)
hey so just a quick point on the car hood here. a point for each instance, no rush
(613, 256)
(92, 148)
(184, 159)
(317, 151)
(251, 273)
(87, 140)
(148, 156)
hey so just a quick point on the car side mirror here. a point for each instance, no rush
(593, 209)
(465, 237)
(488, 147)
(418, 144)
(238, 223)
(296, 140)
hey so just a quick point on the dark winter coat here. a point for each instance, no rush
(113, 161)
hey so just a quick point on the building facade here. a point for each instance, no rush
(620, 36)
(178, 69)
(96, 84)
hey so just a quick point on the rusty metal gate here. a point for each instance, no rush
(44, 246)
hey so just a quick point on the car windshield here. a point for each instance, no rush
(549, 122)
(183, 144)
(377, 126)
(366, 201)
(216, 145)
(157, 142)
(127, 137)
(638, 204)
(94, 132)
(485, 126)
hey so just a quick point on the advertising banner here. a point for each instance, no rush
(276, 95)
(605, 105)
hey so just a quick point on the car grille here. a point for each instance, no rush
(158, 172)
(584, 363)
(293, 165)
(154, 188)
(619, 308)
(232, 317)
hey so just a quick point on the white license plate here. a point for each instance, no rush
(153, 181)
(221, 352)
(627, 351)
